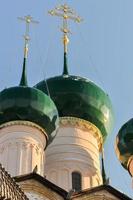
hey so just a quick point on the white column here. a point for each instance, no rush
(22, 145)
(75, 148)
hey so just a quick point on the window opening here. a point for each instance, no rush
(76, 181)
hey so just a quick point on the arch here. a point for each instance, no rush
(76, 181)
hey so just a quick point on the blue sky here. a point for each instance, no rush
(101, 49)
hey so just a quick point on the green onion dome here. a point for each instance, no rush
(124, 143)
(30, 104)
(79, 97)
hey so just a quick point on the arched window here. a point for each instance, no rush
(76, 181)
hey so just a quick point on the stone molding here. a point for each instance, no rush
(24, 123)
(84, 126)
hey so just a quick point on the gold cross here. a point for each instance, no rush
(28, 20)
(66, 13)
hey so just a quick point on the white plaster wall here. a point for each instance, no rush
(74, 149)
(22, 148)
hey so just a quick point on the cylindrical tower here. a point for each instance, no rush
(22, 146)
(85, 111)
(75, 152)
(72, 159)
(28, 120)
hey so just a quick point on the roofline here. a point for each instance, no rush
(109, 188)
(43, 181)
(64, 193)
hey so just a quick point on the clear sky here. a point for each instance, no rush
(101, 49)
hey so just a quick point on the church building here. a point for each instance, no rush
(52, 134)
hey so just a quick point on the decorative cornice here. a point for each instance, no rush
(84, 126)
(24, 123)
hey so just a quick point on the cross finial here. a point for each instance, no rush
(66, 13)
(28, 20)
